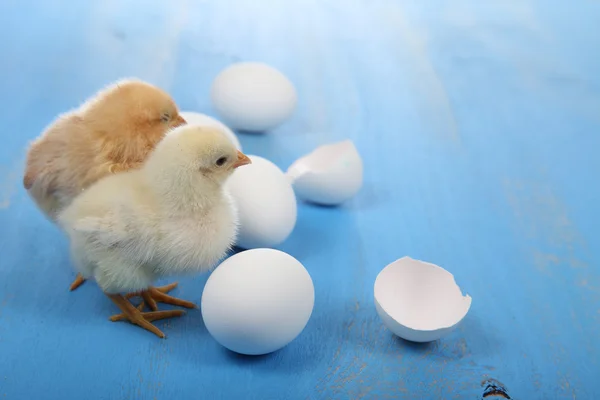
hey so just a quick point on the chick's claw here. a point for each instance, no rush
(159, 294)
(141, 319)
(167, 288)
(161, 297)
(149, 300)
(121, 317)
(150, 316)
(77, 282)
(163, 289)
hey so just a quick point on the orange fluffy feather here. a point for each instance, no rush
(113, 131)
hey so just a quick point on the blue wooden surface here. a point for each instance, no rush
(479, 126)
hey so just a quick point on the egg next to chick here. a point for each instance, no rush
(266, 203)
(253, 96)
(257, 301)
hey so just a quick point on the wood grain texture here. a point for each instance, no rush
(479, 124)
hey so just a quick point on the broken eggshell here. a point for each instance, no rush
(419, 301)
(329, 175)
(195, 118)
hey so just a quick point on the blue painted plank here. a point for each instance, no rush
(479, 126)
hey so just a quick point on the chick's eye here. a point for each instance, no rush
(165, 117)
(221, 161)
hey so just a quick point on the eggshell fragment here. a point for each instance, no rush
(330, 175)
(266, 204)
(257, 301)
(419, 301)
(195, 118)
(253, 96)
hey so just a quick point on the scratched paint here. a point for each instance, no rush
(494, 389)
(477, 122)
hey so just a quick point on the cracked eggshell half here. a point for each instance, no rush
(329, 175)
(419, 301)
(266, 204)
(195, 118)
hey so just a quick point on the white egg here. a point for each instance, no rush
(330, 175)
(257, 301)
(266, 204)
(253, 96)
(195, 118)
(419, 301)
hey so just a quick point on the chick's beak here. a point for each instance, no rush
(178, 121)
(242, 159)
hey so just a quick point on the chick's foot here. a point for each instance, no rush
(154, 295)
(77, 282)
(139, 318)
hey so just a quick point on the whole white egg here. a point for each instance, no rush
(195, 118)
(253, 96)
(257, 301)
(266, 204)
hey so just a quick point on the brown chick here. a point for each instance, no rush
(113, 131)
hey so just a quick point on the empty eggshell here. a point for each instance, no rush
(257, 301)
(194, 118)
(266, 204)
(419, 301)
(330, 175)
(253, 96)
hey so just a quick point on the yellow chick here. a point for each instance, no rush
(172, 216)
(111, 132)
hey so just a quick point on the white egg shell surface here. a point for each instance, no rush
(419, 301)
(330, 175)
(266, 204)
(252, 96)
(195, 118)
(257, 301)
